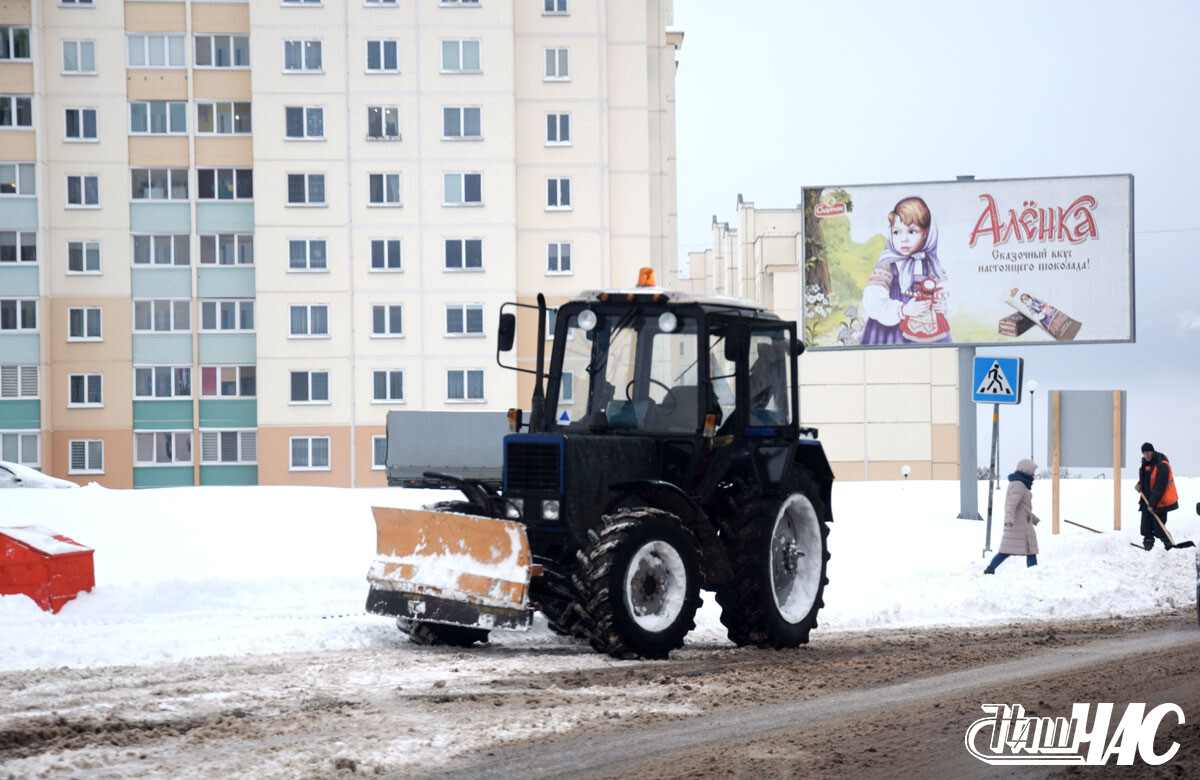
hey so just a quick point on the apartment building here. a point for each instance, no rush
(234, 235)
(877, 410)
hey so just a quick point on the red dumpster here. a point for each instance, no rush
(47, 567)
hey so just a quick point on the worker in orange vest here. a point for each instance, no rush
(1159, 496)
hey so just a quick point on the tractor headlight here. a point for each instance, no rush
(550, 510)
(514, 508)
(587, 319)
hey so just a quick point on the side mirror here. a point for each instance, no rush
(507, 331)
(734, 337)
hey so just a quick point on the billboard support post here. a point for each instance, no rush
(993, 474)
(968, 477)
(1117, 446)
(1055, 449)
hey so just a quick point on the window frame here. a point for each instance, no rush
(307, 268)
(79, 43)
(382, 42)
(309, 439)
(388, 372)
(88, 467)
(82, 177)
(173, 175)
(239, 241)
(462, 177)
(175, 243)
(172, 307)
(146, 38)
(212, 51)
(557, 183)
(19, 310)
(387, 332)
(13, 99)
(306, 203)
(386, 243)
(464, 268)
(173, 382)
(241, 435)
(18, 247)
(309, 387)
(84, 244)
(558, 247)
(465, 333)
(18, 179)
(85, 324)
(81, 125)
(466, 399)
(21, 369)
(385, 203)
(375, 438)
(462, 123)
(214, 107)
(174, 434)
(170, 118)
(308, 321)
(87, 386)
(8, 33)
(235, 180)
(558, 117)
(304, 58)
(217, 306)
(460, 70)
(239, 380)
(562, 62)
(304, 119)
(560, 8)
(21, 434)
(383, 111)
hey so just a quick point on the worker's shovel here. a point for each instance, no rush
(1170, 539)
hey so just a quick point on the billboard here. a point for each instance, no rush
(980, 262)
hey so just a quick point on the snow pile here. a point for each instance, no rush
(28, 478)
(190, 572)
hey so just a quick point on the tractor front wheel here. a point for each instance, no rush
(639, 584)
(422, 633)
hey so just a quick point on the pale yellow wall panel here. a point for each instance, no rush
(158, 85)
(222, 84)
(945, 444)
(785, 290)
(821, 404)
(116, 346)
(831, 367)
(118, 455)
(944, 366)
(15, 12)
(848, 471)
(842, 441)
(629, 205)
(158, 150)
(899, 441)
(897, 366)
(274, 456)
(220, 17)
(891, 470)
(898, 403)
(776, 250)
(117, 386)
(16, 78)
(945, 404)
(155, 17)
(945, 471)
(18, 145)
(225, 150)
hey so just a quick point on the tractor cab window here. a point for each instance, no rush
(770, 390)
(635, 370)
(723, 373)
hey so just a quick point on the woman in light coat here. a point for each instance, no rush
(1019, 536)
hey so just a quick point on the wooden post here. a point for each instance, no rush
(1056, 448)
(1117, 445)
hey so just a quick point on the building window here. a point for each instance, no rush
(460, 57)
(383, 123)
(223, 117)
(385, 189)
(225, 183)
(302, 2)
(464, 384)
(18, 314)
(18, 246)
(229, 447)
(17, 179)
(382, 57)
(310, 387)
(159, 183)
(156, 51)
(378, 453)
(309, 453)
(158, 117)
(86, 456)
(16, 111)
(162, 448)
(304, 122)
(379, 2)
(228, 382)
(85, 323)
(222, 51)
(14, 43)
(162, 382)
(308, 321)
(554, 7)
(83, 257)
(227, 315)
(85, 389)
(460, 3)
(162, 250)
(76, 3)
(558, 129)
(306, 189)
(21, 447)
(18, 382)
(302, 56)
(558, 257)
(387, 321)
(464, 254)
(464, 320)
(388, 386)
(462, 189)
(462, 123)
(79, 57)
(307, 255)
(385, 254)
(557, 64)
(83, 192)
(227, 249)
(162, 316)
(558, 194)
(80, 124)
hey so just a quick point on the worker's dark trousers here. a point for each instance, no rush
(1150, 527)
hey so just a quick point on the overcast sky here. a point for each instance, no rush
(774, 95)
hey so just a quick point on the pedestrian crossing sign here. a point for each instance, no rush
(997, 380)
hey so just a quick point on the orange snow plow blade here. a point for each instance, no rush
(443, 567)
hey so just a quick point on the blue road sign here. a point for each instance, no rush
(997, 380)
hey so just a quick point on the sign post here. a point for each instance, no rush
(996, 380)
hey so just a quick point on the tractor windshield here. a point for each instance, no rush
(635, 369)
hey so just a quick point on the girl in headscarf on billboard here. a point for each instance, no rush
(905, 298)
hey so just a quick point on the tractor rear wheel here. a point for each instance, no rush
(779, 554)
(422, 633)
(639, 584)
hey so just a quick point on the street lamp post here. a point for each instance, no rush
(1032, 386)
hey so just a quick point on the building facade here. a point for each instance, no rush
(234, 235)
(877, 410)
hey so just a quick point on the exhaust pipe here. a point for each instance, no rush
(537, 412)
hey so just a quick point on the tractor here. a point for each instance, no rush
(662, 455)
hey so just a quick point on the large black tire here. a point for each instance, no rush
(778, 548)
(639, 584)
(558, 600)
(421, 633)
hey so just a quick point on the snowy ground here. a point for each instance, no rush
(194, 572)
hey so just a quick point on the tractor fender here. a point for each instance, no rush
(714, 560)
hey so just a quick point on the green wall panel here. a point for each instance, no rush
(161, 283)
(227, 349)
(224, 217)
(162, 476)
(162, 349)
(229, 475)
(225, 282)
(22, 348)
(162, 415)
(232, 413)
(18, 214)
(160, 218)
(19, 281)
(21, 415)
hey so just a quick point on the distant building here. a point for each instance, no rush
(876, 410)
(233, 235)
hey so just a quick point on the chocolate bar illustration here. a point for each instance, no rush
(1052, 320)
(1015, 324)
